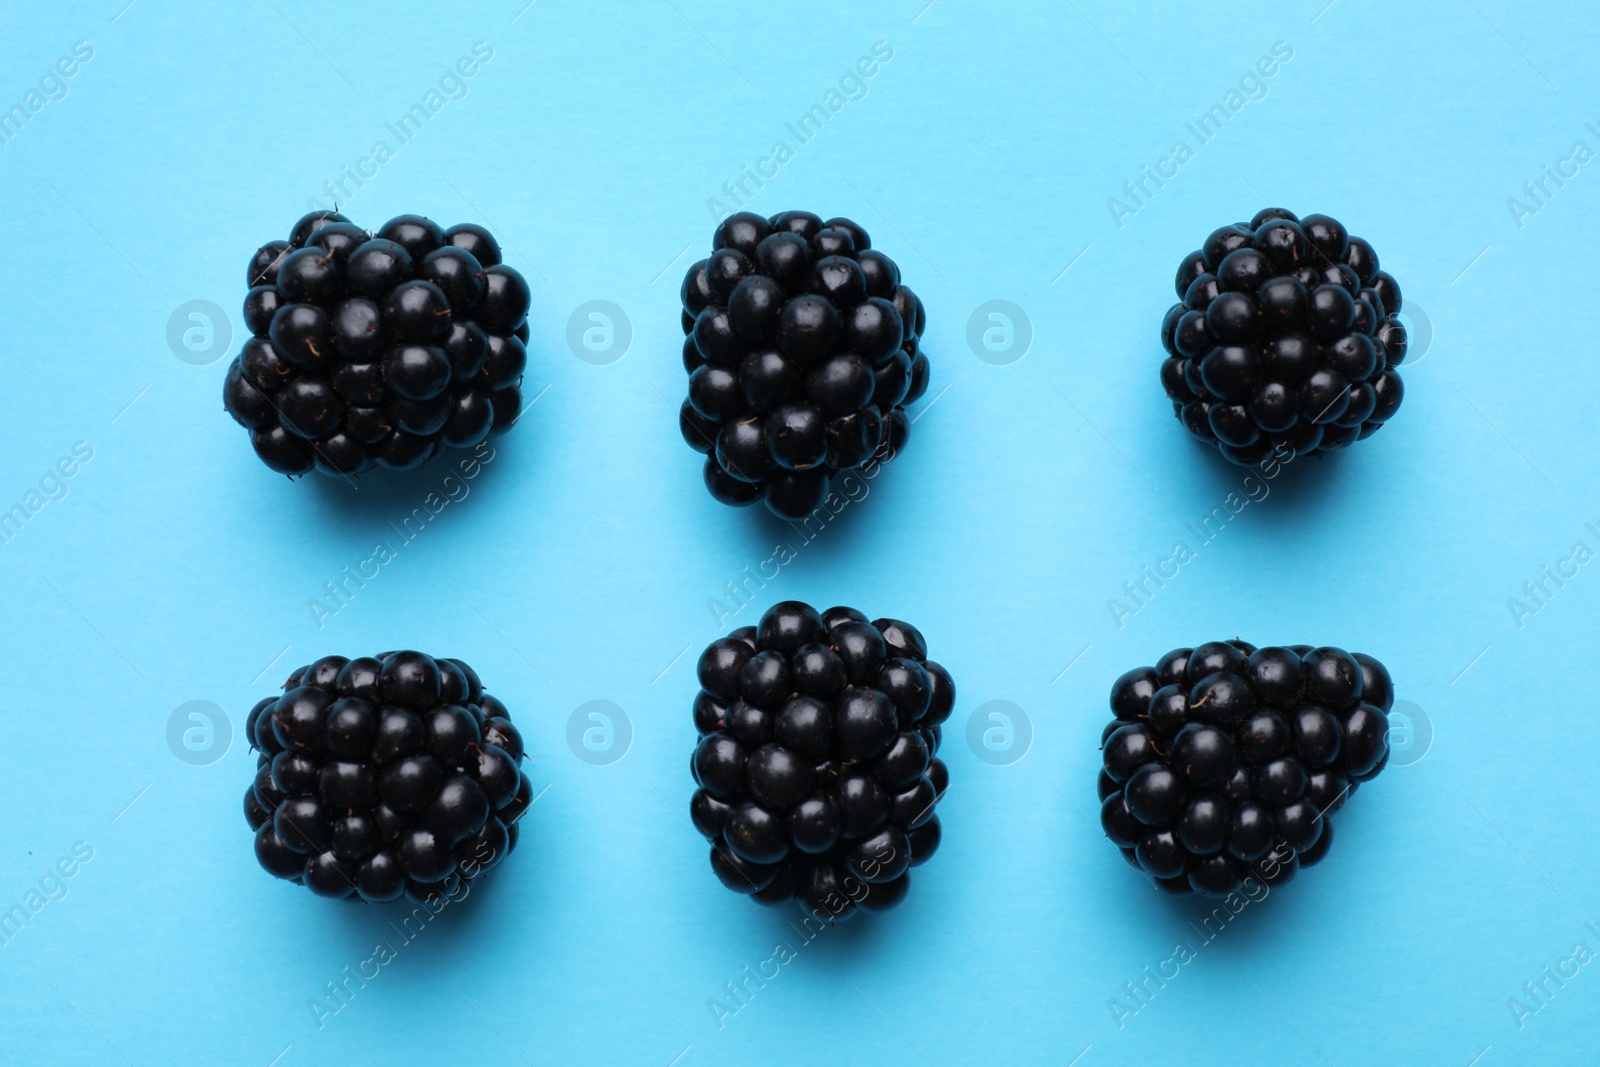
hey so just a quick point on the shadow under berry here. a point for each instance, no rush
(442, 931)
(1285, 487)
(1253, 915)
(1311, 485)
(432, 489)
(859, 937)
(840, 522)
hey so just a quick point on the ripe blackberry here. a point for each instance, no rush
(817, 759)
(377, 351)
(802, 351)
(1285, 337)
(384, 776)
(1227, 761)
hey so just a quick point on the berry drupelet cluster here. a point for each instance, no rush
(802, 353)
(384, 776)
(377, 351)
(817, 758)
(1285, 338)
(1226, 761)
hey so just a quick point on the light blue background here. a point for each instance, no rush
(581, 564)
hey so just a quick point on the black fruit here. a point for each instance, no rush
(377, 351)
(384, 776)
(817, 760)
(1226, 762)
(802, 340)
(1286, 339)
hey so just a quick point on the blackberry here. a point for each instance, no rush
(802, 348)
(377, 351)
(1226, 762)
(384, 776)
(1284, 338)
(817, 759)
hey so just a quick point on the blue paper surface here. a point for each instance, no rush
(1003, 154)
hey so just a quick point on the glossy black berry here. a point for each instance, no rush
(356, 329)
(506, 297)
(309, 408)
(378, 351)
(765, 679)
(805, 725)
(251, 407)
(310, 223)
(840, 385)
(817, 757)
(1126, 749)
(838, 279)
(795, 436)
(417, 235)
(300, 334)
(1131, 693)
(853, 438)
(864, 724)
(741, 232)
(457, 274)
(466, 345)
(797, 327)
(474, 240)
(1225, 762)
(282, 451)
(504, 359)
(1205, 755)
(263, 268)
(310, 275)
(417, 311)
(261, 304)
(1155, 794)
(423, 418)
(377, 267)
(1285, 339)
(376, 780)
(808, 329)
(795, 493)
(787, 626)
(416, 371)
(874, 330)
